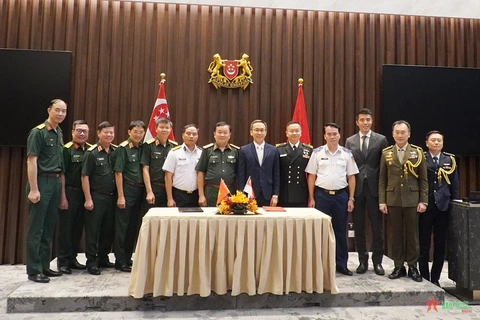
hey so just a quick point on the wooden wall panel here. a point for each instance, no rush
(120, 48)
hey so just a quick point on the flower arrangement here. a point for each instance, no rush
(237, 203)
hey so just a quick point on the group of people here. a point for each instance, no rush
(107, 188)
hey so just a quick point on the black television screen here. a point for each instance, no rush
(29, 80)
(434, 98)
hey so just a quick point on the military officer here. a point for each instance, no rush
(443, 186)
(154, 154)
(180, 174)
(45, 174)
(130, 188)
(98, 185)
(218, 161)
(294, 157)
(402, 192)
(331, 188)
(71, 212)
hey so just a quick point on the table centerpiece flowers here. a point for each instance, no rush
(238, 203)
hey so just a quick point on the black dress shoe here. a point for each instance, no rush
(124, 268)
(415, 274)
(106, 264)
(39, 278)
(130, 262)
(344, 270)
(94, 271)
(77, 265)
(65, 269)
(398, 272)
(51, 273)
(437, 283)
(362, 268)
(378, 269)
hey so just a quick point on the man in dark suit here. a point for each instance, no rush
(260, 161)
(443, 186)
(402, 192)
(294, 157)
(367, 148)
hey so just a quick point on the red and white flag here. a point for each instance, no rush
(160, 110)
(249, 189)
(300, 115)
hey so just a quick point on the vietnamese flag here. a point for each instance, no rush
(300, 114)
(223, 191)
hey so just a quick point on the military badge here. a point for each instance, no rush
(230, 68)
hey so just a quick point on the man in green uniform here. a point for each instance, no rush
(71, 212)
(130, 188)
(98, 185)
(154, 154)
(218, 161)
(45, 172)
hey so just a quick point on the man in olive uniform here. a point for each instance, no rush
(45, 172)
(218, 161)
(154, 154)
(294, 157)
(402, 192)
(98, 185)
(70, 226)
(130, 188)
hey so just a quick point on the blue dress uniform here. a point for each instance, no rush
(47, 145)
(443, 186)
(331, 191)
(293, 179)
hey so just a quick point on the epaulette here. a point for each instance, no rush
(150, 141)
(449, 154)
(318, 149)
(40, 126)
(346, 149)
(124, 143)
(173, 142)
(176, 148)
(88, 145)
(234, 146)
(306, 145)
(92, 147)
(416, 147)
(208, 145)
(281, 144)
(68, 145)
(388, 148)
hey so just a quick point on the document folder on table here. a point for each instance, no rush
(274, 209)
(190, 209)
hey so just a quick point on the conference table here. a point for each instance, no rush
(200, 252)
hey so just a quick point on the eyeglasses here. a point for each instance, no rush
(80, 131)
(258, 130)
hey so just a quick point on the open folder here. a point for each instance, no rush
(273, 209)
(190, 209)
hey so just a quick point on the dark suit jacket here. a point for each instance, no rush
(293, 181)
(265, 178)
(440, 193)
(370, 165)
(397, 189)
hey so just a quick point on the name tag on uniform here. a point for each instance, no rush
(182, 159)
(100, 159)
(283, 155)
(323, 158)
(231, 157)
(76, 156)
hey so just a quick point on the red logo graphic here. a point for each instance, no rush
(231, 69)
(432, 304)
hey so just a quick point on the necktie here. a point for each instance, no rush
(364, 146)
(400, 155)
(294, 147)
(435, 162)
(260, 155)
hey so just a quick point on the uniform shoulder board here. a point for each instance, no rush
(208, 145)
(306, 145)
(388, 148)
(175, 148)
(318, 149)
(40, 126)
(449, 154)
(68, 145)
(234, 146)
(114, 146)
(347, 150)
(150, 141)
(173, 142)
(92, 147)
(124, 143)
(281, 144)
(416, 147)
(88, 145)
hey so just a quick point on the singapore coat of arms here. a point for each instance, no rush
(236, 73)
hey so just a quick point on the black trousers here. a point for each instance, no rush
(184, 199)
(367, 202)
(437, 221)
